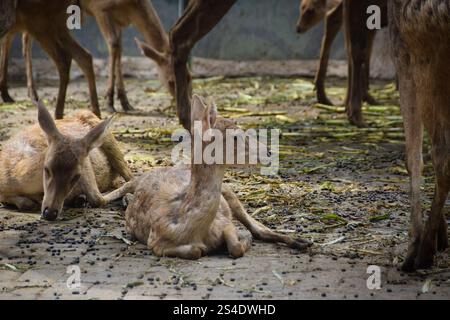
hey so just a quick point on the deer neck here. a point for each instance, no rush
(203, 194)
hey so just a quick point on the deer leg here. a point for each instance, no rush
(356, 37)
(115, 157)
(258, 230)
(120, 83)
(198, 19)
(23, 203)
(88, 186)
(26, 52)
(5, 46)
(428, 244)
(111, 33)
(187, 251)
(333, 24)
(414, 161)
(84, 60)
(367, 96)
(63, 60)
(235, 246)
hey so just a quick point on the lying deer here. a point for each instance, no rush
(45, 21)
(420, 33)
(54, 162)
(114, 15)
(312, 12)
(186, 212)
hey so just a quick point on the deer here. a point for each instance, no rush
(186, 211)
(32, 17)
(312, 12)
(5, 46)
(7, 16)
(198, 19)
(114, 15)
(416, 26)
(53, 162)
(111, 17)
(359, 43)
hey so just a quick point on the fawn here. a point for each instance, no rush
(420, 33)
(186, 212)
(56, 161)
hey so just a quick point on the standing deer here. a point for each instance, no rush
(45, 21)
(5, 46)
(359, 46)
(114, 15)
(54, 162)
(312, 12)
(186, 212)
(420, 33)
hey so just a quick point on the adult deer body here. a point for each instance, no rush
(420, 33)
(312, 12)
(45, 21)
(54, 162)
(112, 16)
(186, 212)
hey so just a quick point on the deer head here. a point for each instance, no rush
(64, 159)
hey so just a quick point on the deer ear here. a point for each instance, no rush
(199, 112)
(148, 51)
(47, 123)
(212, 115)
(96, 136)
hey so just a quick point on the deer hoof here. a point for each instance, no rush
(6, 97)
(323, 99)
(371, 100)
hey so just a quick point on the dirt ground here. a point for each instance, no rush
(343, 188)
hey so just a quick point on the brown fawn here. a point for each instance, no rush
(56, 161)
(420, 33)
(312, 12)
(185, 212)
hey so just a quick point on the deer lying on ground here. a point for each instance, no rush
(5, 46)
(420, 33)
(45, 21)
(312, 12)
(54, 162)
(186, 212)
(114, 15)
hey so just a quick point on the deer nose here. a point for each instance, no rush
(50, 214)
